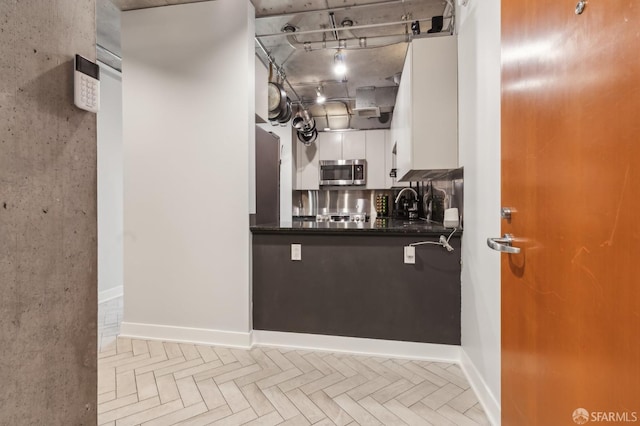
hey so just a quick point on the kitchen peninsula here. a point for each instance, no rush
(351, 280)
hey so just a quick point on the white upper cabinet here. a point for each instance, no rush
(376, 167)
(329, 145)
(425, 118)
(342, 145)
(354, 146)
(307, 171)
(371, 145)
(390, 163)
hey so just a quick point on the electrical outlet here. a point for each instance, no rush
(296, 251)
(410, 255)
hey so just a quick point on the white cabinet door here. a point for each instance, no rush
(402, 115)
(354, 146)
(376, 169)
(425, 116)
(329, 145)
(307, 173)
(388, 159)
(390, 162)
(434, 103)
(342, 146)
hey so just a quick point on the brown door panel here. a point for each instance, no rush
(571, 170)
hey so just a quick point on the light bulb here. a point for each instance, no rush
(320, 97)
(339, 67)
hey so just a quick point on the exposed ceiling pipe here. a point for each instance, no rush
(347, 35)
(351, 43)
(355, 27)
(316, 83)
(344, 101)
(336, 9)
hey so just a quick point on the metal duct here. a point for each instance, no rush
(373, 101)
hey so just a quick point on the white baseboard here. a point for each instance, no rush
(360, 346)
(315, 342)
(109, 294)
(488, 400)
(201, 336)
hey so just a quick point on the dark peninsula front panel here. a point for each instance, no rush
(357, 286)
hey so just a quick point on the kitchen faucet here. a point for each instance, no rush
(406, 189)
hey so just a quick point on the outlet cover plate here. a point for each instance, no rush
(296, 251)
(410, 255)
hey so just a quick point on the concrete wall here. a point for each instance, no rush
(110, 228)
(48, 283)
(479, 139)
(189, 123)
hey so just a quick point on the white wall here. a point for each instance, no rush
(188, 81)
(262, 90)
(479, 109)
(110, 269)
(286, 166)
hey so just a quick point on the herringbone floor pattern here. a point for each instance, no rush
(158, 383)
(150, 382)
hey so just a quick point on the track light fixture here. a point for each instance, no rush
(320, 97)
(339, 65)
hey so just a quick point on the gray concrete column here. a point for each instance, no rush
(48, 284)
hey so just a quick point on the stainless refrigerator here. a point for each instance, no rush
(267, 177)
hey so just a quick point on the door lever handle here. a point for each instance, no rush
(503, 244)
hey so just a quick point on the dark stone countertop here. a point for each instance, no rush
(379, 227)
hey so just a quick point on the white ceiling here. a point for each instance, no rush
(305, 70)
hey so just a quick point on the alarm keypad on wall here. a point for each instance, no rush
(86, 84)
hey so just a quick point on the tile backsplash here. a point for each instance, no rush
(312, 203)
(448, 192)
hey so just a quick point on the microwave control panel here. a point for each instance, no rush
(86, 84)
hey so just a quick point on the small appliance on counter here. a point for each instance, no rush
(451, 218)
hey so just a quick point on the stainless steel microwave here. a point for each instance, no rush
(343, 173)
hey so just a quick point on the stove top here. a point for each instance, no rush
(342, 217)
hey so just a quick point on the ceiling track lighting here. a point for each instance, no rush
(320, 97)
(339, 65)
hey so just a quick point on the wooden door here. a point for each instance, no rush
(571, 170)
